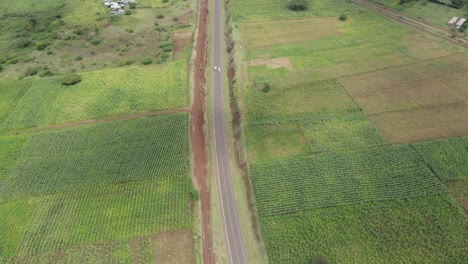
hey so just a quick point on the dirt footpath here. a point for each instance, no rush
(197, 137)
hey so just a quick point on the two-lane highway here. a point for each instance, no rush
(232, 232)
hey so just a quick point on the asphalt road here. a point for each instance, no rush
(232, 232)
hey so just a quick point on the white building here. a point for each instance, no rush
(452, 21)
(460, 22)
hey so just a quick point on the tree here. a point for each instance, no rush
(298, 5)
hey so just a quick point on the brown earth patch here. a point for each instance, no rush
(173, 247)
(420, 101)
(197, 135)
(426, 123)
(102, 120)
(180, 41)
(272, 63)
(459, 191)
(264, 34)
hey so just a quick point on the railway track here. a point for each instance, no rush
(412, 22)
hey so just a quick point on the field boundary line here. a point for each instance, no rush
(428, 106)
(95, 121)
(398, 66)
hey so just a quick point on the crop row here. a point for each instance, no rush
(100, 154)
(430, 229)
(447, 157)
(341, 178)
(112, 213)
(335, 132)
(100, 94)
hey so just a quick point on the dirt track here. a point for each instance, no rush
(197, 136)
(94, 121)
(436, 31)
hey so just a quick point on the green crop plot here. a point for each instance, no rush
(265, 142)
(244, 10)
(366, 43)
(25, 6)
(98, 155)
(335, 179)
(447, 157)
(11, 92)
(431, 229)
(287, 104)
(10, 151)
(14, 219)
(336, 132)
(101, 94)
(107, 214)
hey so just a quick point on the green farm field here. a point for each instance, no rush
(264, 10)
(429, 229)
(334, 180)
(103, 186)
(365, 42)
(104, 93)
(98, 171)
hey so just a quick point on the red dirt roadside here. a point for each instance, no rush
(197, 137)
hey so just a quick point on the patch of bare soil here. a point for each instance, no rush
(272, 63)
(173, 247)
(180, 41)
(102, 120)
(197, 135)
(419, 101)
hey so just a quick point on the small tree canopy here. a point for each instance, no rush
(71, 79)
(298, 5)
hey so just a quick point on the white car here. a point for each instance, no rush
(217, 68)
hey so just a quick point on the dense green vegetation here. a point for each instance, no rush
(335, 132)
(98, 155)
(298, 102)
(337, 179)
(328, 188)
(447, 157)
(98, 191)
(101, 183)
(430, 229)
(112, 213)
(12, 92)
(244, 10)
(100, 94)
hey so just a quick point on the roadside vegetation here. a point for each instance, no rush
(353, 134)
